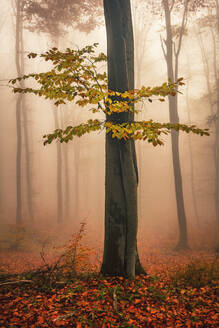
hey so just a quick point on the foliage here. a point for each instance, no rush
(73, 260)
(74, 77)
(76, 256)
(51, 16)
(197, 274)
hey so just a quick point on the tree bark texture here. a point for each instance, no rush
(174, 118)
(121, 220)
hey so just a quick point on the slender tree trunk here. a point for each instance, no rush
(59, 162)
(191, 158)
(21, 113)
(76, 179)
(18, 32)
(66, 173)
(174, 118)
(121, 219)
(216, 74)
(214, 114)
(26, 140)
(59, 193)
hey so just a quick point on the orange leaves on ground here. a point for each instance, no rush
(149, 301)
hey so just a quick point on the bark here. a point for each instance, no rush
(171, 56)
(121, 220)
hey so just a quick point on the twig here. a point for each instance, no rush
(63, 317)
(115, 300)
(14, 282)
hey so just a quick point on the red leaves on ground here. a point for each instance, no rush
(149, 301)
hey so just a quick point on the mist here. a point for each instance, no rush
(54, 209)
(89, 237)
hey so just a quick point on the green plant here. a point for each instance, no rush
(197, 274)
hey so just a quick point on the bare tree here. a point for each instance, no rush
(21, 120)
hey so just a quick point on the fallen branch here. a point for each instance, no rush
(14, 282)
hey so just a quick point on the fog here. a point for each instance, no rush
(48, 210)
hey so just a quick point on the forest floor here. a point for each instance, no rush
(179, 290)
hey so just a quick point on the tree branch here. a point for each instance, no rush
(162, 46)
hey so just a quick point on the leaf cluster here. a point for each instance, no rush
(75, 76)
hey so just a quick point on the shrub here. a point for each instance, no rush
(76, 256)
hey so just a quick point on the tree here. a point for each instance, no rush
(21, 114)
(121, 165)
(171, 46)
(171, 53)
(211, 65)
(43, 15)
(74, 77)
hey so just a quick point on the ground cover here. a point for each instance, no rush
(180, 290)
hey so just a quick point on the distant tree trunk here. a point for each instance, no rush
(216, 74)
(121, 220)
(26, 144)
(76, 179)
(194, 200)
(59, 192)
(66, 183)
(21, 113)
(18, 35)
(214, 105)
(172, 54)
(59, 160)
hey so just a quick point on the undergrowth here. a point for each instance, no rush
(197, 274)
(73, 261)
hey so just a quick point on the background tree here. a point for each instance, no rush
(172, 45)
(210, 24)
(21, 120)
(171, 51)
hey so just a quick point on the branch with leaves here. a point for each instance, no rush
(74, 77)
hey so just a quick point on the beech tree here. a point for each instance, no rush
(75, 77)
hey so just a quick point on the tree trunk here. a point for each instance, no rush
(194, 200)
(174, 118)
(59, 192)
(216, 73)
(59, 161)
(18, 31)
(21, 113)
(121, 221)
